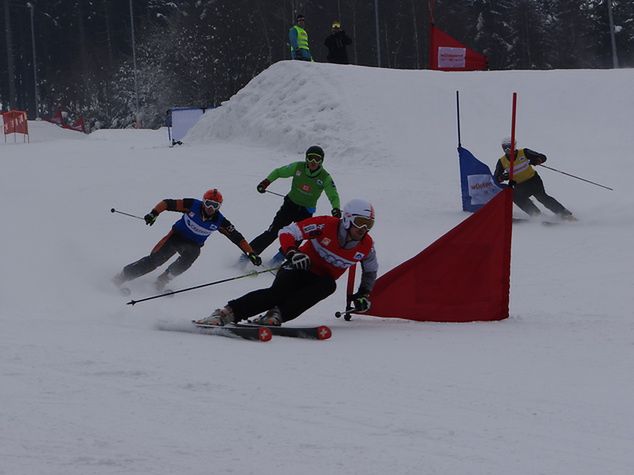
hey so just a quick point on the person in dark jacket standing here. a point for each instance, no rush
(336, 43)
(527, 182)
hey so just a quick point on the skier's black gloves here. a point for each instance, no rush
(263, 185)
(298, 260)
(361, 302)
(149, 218)
(255, 259)
(336, 212)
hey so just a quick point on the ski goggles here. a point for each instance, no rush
(361, 222)
(314, 158)
(215, 205)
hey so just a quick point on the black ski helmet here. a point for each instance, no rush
(315, 150)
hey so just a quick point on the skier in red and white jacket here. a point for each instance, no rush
(331, 245)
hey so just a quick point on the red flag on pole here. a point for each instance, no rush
(464, 276)
(448, 54)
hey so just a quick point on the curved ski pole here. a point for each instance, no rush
(274, 193)
(133, 302)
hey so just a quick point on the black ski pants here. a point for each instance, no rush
(289, 213)
(293, 292)
(171, 244)
(535, 187)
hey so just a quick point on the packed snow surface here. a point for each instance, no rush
(90, 385)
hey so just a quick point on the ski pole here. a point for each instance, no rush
(112, 210)
(273, 193)
(250, 274)
(345, 313)
(578, 178)
(349, 292)
(458, 115)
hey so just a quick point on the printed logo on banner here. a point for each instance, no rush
(451, 57)
(481, 188)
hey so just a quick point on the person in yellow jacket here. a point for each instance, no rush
(527, 182)
(298, 39)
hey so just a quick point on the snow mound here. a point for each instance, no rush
(42, 131)
(288, 106)
(363, 115)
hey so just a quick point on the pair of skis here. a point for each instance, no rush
(545, 222)
(250, 331)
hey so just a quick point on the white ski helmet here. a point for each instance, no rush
(358, 208)
(506, 143)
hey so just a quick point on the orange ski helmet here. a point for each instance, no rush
(212, 200)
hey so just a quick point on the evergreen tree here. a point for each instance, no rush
(571, 39)
(530, 37)
(493, 32)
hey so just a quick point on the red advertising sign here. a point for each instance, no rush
(15, 122)
(448, 54)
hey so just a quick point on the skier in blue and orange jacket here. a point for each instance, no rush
(187, 236)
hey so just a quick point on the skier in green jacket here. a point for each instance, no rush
(310, 178)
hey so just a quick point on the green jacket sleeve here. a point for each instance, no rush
(283, 172)
(331, 192)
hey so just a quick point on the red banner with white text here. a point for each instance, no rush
(448, 54)
(15, 122)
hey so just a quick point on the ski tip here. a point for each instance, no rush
(323, 332)
(264, 334)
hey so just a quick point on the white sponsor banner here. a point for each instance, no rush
(481, 188)
(183, 120)
(451, 57)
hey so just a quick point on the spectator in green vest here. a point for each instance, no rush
(298, 39)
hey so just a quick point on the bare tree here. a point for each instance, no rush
(10, 64)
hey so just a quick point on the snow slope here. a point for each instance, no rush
(89, 385)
